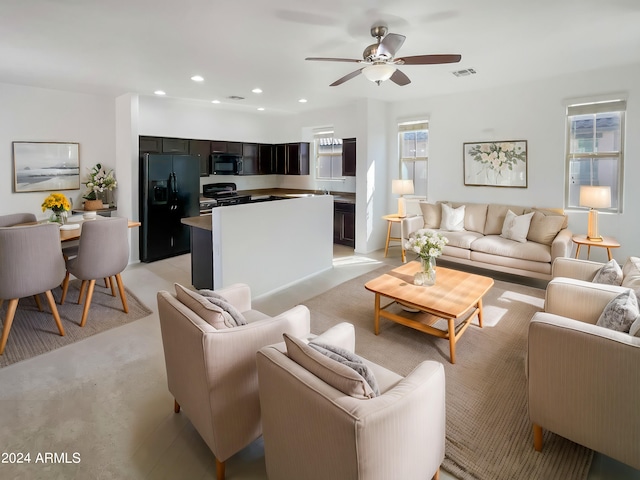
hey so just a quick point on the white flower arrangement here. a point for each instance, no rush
(99, 180)
(426, 243)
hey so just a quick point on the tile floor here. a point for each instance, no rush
(106, 397)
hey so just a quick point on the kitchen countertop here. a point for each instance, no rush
(340, 197)
(203, 221)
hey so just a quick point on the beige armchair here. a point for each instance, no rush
(313, 431)
(212, 373)
(582, 378)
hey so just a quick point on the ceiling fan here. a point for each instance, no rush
(379, 61)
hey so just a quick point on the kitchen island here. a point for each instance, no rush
(268, 245)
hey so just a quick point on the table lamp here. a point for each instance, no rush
(402, 187)
(594, 197)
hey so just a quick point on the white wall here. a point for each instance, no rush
(534, 112)
(42, 115)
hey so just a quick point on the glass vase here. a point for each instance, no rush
(58, 217)
(427, 274)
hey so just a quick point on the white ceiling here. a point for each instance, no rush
(116, 46)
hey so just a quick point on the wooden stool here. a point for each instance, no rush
(391, 219)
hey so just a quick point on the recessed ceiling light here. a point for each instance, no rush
(257, 90)
(197, 78)
(261, 108)
(160, 92)
(303, 100)
(215, 101)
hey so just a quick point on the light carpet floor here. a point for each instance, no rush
(34, 332)
(488, 435)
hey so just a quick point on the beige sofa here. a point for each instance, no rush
(481, 245)
(313, 431)
(582, 378)
(212, 373)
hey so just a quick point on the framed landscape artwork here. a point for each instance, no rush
(45, 166)
(496, 164)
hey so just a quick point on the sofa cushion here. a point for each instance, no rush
(339, 376)
(631, 274)
(516, 227)
(201, 306)
(496, 245)
(609, 274)
(620, 313)
(431, 214)
(545, 226)
(452, 218)
(462, 239)
(495, 217)
(475, 215)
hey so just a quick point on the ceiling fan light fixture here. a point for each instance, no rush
(378, 73)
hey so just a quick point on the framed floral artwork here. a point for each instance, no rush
(496, 164)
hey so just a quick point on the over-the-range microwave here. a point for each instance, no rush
(226, 164)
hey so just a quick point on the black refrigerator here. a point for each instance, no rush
(169, 191)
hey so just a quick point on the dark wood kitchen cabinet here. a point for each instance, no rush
(202, 149)
(220, 146)
(150, 144)
(344, 224)
(298, 158)
(265, 159)
(178, 146)
(250, 159)
(349, 157)
(280, 153)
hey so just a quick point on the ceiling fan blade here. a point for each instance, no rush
(428, 59)
(400, 78)
(349, 76)
(328, 59)
(390, 44)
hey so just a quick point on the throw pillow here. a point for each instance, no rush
(620, 313)
(545, 226)
(609, 274)
(210, 313)
(631, 274)
(452, 218)
(349, 359)
(431, 214)
(339, 376)
(237, 318)
(516, 227)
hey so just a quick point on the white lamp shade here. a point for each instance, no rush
(402, 187)
(595, 196)
(378, 73)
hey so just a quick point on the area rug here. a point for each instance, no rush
(34, 332)
(488, 434)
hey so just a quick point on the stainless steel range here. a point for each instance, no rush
(219, 195)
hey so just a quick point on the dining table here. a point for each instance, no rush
(67, 235)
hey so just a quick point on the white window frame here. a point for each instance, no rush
(594, 108)
(328, 134)
(408, 164)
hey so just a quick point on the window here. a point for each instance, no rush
(413, 141)
(328, 155)
(595, 140)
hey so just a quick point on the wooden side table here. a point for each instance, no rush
(607, 242)
(391, 219)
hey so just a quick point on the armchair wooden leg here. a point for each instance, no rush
(219, 469)
(37, 299)
(123, 296)
(8, 320)
(87, 302)
(112, 284)
(65, 288)
(437, 474)
(107, 282)
(537, 437)
(176, 406)
(54, 311)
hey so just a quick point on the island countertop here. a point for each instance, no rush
(202, 221)
(340, 197)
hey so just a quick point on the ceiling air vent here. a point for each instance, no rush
(235, 97)
(464, 73)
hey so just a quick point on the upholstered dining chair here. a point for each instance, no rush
(103, 252)
(16, 219)
(30, 263)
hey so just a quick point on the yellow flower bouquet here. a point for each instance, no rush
(58, 203)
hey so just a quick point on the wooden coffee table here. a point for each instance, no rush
(455, 294)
